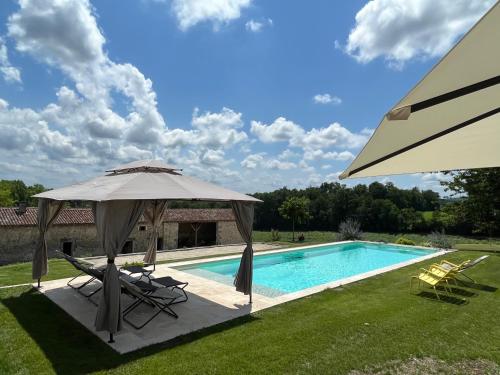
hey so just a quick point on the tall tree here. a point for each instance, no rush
(480, 189)
(295, 209)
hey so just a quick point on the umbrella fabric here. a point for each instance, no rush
(154, 215)
(114, 220)
(449, 120)
(243, 213)
(47, 213)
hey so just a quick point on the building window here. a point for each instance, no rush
(67, 247)
(142, 228)
(128, 247)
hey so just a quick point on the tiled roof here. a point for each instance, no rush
(81, 216)
(67, 216)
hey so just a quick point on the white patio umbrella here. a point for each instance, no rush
(119, 199)
(450, 120)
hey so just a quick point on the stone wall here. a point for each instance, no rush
(227, 233)
(170, 233)
(17, 243)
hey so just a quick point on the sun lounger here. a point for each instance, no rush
(159, 298)
(433, 277)
(94, 273)
(464, 266)
(173, 284)
(139, 270)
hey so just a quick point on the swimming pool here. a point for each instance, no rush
(280, 273)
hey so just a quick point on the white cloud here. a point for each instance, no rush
(9, 73)
(314, 141)
(332, 177)
(64, 34)
(281, 165)
(434, 177)
(214, 130)
(326, 99)
(257, 26)
(3, 104)
(214, 157)
(333, 135)
(283, 130)
(400, 30)
(280, 130)
(332, 155)
(253, 161)
(191, 12)
(314, 179)
(82, 127)
(287, 155)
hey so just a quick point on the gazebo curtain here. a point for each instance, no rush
(114, 220)
(48, 210)
(154, 215)
(243, 213)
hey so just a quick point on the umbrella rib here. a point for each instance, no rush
(455, 94)
(426, 140)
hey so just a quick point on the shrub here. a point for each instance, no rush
(275, 235)
(349, 230)
(301, 237)
(133, 263)
(440, 240)
(405, 241)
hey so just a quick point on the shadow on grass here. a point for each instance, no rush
(443, 298)
(457, 291)
(477, 286)
(71, 348)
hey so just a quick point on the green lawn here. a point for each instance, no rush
(319, 237)
(20, 273)
(372, 324)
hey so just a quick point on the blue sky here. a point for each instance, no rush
(251, 94)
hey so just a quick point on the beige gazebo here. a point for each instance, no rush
(118, 201)
(450, 120)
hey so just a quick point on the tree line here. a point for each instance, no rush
(472, 208)
(12, 192)
(378, 207)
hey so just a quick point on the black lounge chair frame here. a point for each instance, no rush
(143, 294)
(175, 285)
(94, 273)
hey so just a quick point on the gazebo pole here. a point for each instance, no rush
(111, 339)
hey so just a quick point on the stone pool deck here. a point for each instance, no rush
(183, 254)
(209, 303)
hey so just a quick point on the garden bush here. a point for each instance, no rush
(405, 241)
(440, 240)
(350, 230)
(275, 235)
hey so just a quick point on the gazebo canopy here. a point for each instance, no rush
(119, 199)
(450, 119)
(145, 180)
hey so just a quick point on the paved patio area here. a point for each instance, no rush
(183, 254)
(210, 303)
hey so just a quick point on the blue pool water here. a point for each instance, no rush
(291, 271)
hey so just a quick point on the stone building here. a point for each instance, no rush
(74, 232)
